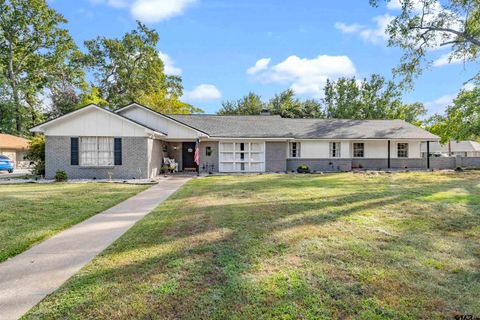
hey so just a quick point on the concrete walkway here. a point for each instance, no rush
(28, 277)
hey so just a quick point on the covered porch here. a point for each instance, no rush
(178, 156)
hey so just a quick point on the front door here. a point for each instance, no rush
(188, 153)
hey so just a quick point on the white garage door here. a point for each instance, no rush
(242, 157)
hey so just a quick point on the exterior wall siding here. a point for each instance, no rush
(209, 163)
(134, 160)
(275, 156)
(321, 164)
(155, 157)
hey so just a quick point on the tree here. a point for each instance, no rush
(284, 104)
(461, 120)
(66, 81)
(287, 105)
(130, 69)
(373, 98)
(31, 39)
(250, 104)
(423, 25)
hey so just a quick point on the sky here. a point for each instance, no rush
(225, 49)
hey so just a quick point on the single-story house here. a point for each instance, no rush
(15, 148)
(453, 148)
(134, 141)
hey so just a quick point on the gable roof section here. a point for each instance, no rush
(168, 117)
(40, 127)
(277, 127)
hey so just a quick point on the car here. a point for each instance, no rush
(6, 164)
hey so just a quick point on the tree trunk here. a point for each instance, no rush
(13, 85)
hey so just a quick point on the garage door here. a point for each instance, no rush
(242, 156)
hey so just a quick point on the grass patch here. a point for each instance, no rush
(399, 246)
(29, 213)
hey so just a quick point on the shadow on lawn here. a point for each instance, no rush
(180, 270)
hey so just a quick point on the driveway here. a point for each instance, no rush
(15, 174)
(28, 277)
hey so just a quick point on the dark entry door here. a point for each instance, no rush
(188, 152)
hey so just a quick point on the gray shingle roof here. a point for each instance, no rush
(277, 127)
(457, 146)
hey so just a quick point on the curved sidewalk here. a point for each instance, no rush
(28, 277)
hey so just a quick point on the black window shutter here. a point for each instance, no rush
(117, 143)
(74, 151)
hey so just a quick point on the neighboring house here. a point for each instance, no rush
(14, 147)
(454, 148)
(132, 142)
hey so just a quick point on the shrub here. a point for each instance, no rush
(303, 169)
(36, 153)
(61, 176)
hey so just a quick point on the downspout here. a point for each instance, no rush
(428, 154)
(389, 154)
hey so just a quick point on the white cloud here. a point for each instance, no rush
(150, 11)
(349, 28)
(444, 59)
(308, 76)
(260, 65)
(203, 92)
(374, 35)
(158, 10)
(438, 105)
(169, 65)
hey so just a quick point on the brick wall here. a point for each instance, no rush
(134, 160)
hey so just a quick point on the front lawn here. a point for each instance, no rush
(391, 246)
(30, 213)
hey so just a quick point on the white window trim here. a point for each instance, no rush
(353, 150)
(298, 149)
(338, 149)
(97, 165)
(407, 150)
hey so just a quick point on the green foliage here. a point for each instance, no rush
(346, 98)
(284, 104)
(373, 98)
(461, 120)
(287, 105)
(61, 176)
(423, 25)
(303, 169)
(33, 51)
(250, 104)
(36, 153)
(130, 69)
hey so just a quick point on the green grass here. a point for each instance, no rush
(391, 246)
(30, 213)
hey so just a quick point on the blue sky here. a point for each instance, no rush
(224, 49)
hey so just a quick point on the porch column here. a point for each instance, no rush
(389, 154)
(428, 154)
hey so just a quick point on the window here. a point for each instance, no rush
(294, 150)
(96, 151)
(402, 150)
(358, 150)
(335, 150)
